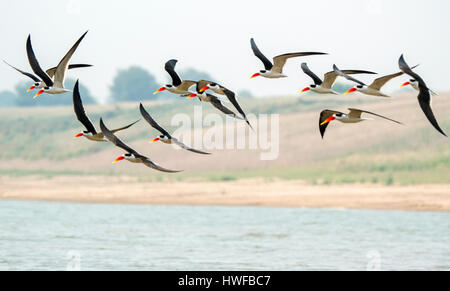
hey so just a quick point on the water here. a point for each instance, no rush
(57, 236)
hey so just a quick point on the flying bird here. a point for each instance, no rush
(165, 137)
(90, 132)
(415, 84)
(324, 87)
(214, 100)
(373, 89)
(354, 116)
(38, 83)
(56, 86)
(221, 90)
(424, 96)
(131, 155)
(178, 86)
(275, 70)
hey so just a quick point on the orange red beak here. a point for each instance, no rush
(38, 93)
(78, 135)
(192, 95)
(331, 118)
(156, 139)
(405, 84)
(118, 159)
(204, 89)
(304, 90)
(255, 75)
(160, 90)
(350, 91)
(31, 88)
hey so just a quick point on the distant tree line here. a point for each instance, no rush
(131, 84)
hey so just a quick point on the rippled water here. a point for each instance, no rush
(57, 236)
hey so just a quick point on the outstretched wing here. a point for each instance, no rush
(29, 75)
(146, 161)
(324, 115)
(170, 68)
(125, 127)
(185, 85)
(216, 103)
(51, 72)
(424, 96)
(280, 61)
(152, 122)
(115, 140)
(267, 64)
(232, 97)
(356, 113)
(61, 68)
(346, 76)
(79, 110)
(182, 145)
(330, 77)
(310, 73)
(35, 64)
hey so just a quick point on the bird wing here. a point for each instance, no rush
(185, 85)
(152, 122)
(424, 96)
(115, 140)
(51, 72)
(324, 115)
(170, 68)
(346, 76)
(182, 145)
(62, 67)
(35, 64)
(36, 79)
(146, 161)
(280, 61)
(216, 103)
(79, 110)
(330, 77)
(310, 73)
(125, 127)
(267, 64)
(356, 113)
(380, 82)
(232, 97)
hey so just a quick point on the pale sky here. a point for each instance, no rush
(214, 36)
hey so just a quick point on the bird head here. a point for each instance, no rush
(124, 157)
(336, 116)
(261, 73)
(84, 133)
(36, 85)
(167, 86)
(411, 82)
(160, 138)
(308, 88)
(39, 93)
(356, 88)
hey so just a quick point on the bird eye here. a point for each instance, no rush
(412, 80)
(262, 71)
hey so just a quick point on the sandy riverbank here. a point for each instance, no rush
(255, 192)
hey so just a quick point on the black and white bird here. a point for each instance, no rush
(55, 86)
(275, 69)
(131, 155)
(214, 100)
(38, 83)
(354, 116)
(424, 96)
(178, 86)
(325, 86)
(373, 89)
(90, 132)
(415, 84)
(165, 137)
(221, 90)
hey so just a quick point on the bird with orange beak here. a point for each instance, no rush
(415, 84)
(55, 85)
(354, 116)
(90, 133)
(275, 70)
(131, 155)
(325, 86)
(178, 86)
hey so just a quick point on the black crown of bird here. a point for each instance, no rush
(51, 81)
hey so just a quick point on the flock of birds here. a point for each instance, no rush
(51, 81)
